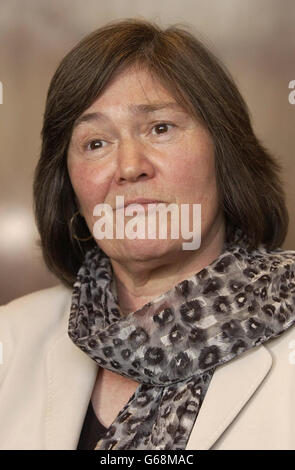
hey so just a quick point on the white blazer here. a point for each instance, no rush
(46, 383)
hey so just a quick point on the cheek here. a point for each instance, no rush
(194, 172)
(90, 185)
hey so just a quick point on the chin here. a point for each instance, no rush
(141, 250)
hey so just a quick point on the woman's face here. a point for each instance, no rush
(135, 141)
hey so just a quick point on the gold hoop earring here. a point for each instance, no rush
(72, 231)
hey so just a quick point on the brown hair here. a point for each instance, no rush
(250, 191)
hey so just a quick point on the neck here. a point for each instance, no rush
(138, 284)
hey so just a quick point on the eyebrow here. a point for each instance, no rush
(133, 108)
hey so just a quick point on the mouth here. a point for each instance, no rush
(138, 201)
(141, 201)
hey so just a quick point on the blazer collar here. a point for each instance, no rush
(232, 385)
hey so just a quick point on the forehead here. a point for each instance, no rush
(134, 91)
(134, 85)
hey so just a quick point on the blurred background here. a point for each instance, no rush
(255, 40)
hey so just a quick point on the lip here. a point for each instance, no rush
(141, 201)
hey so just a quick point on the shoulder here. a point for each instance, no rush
(30, 324)
(44, 306)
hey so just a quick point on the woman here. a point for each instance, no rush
(146, 345)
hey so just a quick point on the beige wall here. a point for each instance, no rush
(255, 39)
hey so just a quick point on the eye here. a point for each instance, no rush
(95, 144)
(162, 128)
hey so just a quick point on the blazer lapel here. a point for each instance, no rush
(232, 385)
(71, 378)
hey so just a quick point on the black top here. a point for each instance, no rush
(92, 430)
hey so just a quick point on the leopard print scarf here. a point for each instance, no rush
(173, 344)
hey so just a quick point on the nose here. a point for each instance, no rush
(133, 163)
